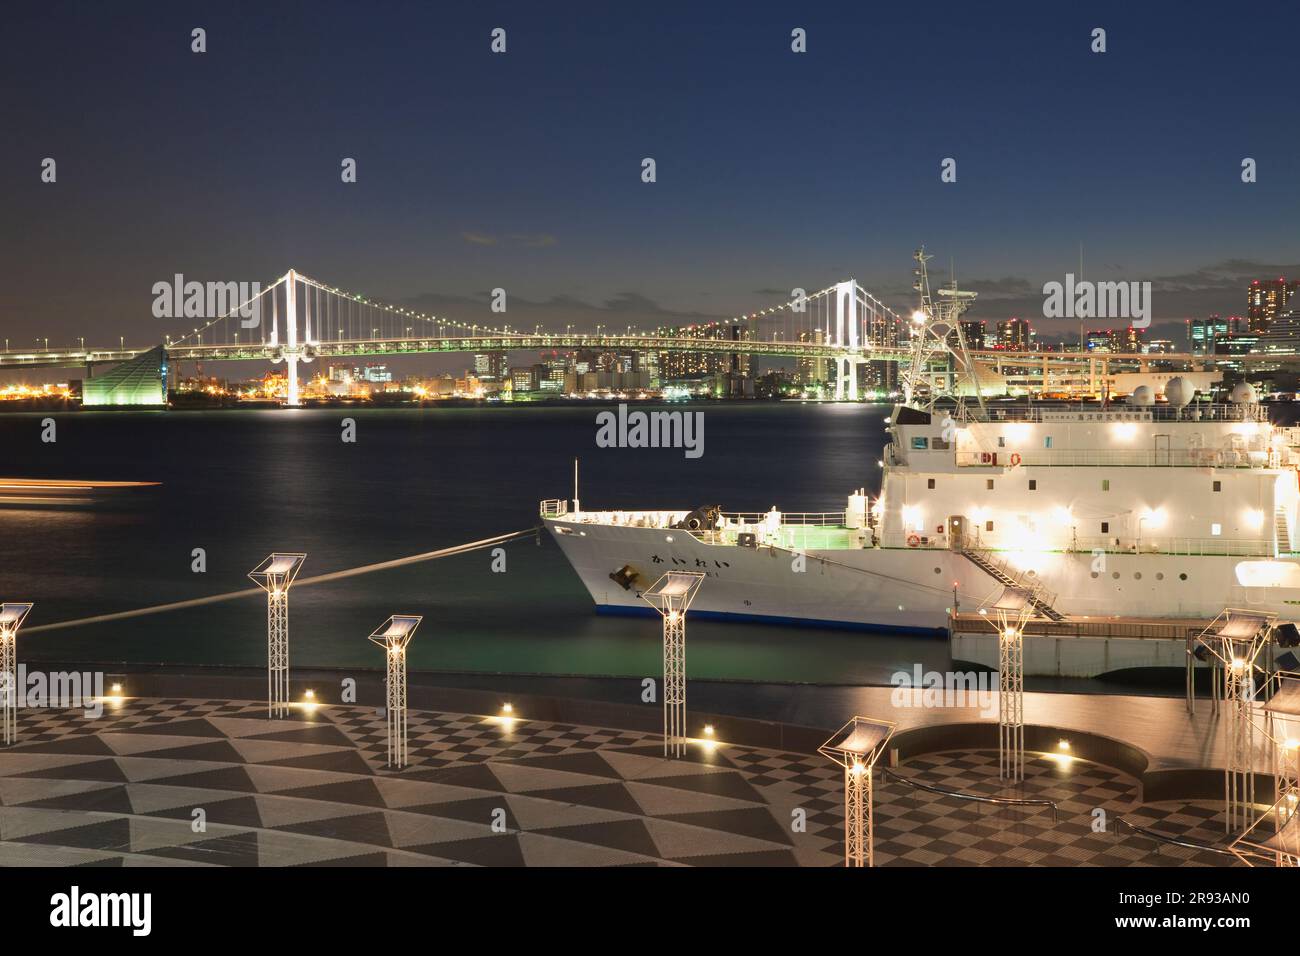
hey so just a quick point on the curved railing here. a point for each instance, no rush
(1166, 838)
(977, 797)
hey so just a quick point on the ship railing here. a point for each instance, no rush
(1197, 547)
(1128, 457)
(1207, 412)
(823, 519)
(554, 508)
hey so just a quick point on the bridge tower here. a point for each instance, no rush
(293, 351)
(846, 334)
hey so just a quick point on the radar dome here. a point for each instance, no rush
(1142, 396)
(1243, 393)
(1179, 391)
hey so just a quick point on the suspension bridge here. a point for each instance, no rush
(296, 320)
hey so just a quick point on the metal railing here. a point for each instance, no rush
(554, 508)
(1127, 458)
(1207, 411)
(1165, 838)
(821, 519)
(976, 797)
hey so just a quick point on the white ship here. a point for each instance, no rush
(1146, 509)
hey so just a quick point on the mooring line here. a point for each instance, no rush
(300, 583)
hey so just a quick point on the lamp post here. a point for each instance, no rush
(11, 618)
(856, 747)
(672, 595)
(393, 636)
(275, 575)
(1234, 641)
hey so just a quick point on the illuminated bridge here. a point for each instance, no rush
(297, 319)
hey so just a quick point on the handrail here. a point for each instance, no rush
(1165, 838)
(981, 798)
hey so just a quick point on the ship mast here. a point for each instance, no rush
(937, 331)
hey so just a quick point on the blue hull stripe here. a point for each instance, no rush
(619, 610)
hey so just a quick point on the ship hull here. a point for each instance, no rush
(897, 589)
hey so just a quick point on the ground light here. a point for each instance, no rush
(672, 595)
(856, 747)
(12, 616)
(275, 575)
(393, 636)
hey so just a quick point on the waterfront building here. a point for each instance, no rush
(1266, 299)
(140, 381)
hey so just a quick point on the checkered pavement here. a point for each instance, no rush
(208, 782)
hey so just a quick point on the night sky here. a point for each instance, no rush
(522, 170)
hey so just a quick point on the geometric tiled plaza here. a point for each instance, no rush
(121, 790)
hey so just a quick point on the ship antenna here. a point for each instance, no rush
(934, 327)
(576, 507)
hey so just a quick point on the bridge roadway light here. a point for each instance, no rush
(393, 636)
(672, 595)
(275, 575)
(12, 616)
(856, 747)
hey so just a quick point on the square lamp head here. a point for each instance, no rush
(12, 616)
(276, 573)
(395, 633)
(1234, 638)
(674, 592)
(859, 743)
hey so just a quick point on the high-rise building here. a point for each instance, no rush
(974, 331)
(677, 365)
(1013, 334)
(490, 366)
(811, 371)
(1103, 340)
(1203, 332)
(1266, 299)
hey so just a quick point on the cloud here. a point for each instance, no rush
(478, 239)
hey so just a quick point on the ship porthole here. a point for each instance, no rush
(1183, 576)
(938, 570)
(1115, 575)
(1095, 574)
(1137, 575)
(1160, 575)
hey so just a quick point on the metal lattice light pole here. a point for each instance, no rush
(856, 746)
(275, 575)
(1274, 837)
(1012, 610)
(11, 618)
(672, 595)
(393, 636)
(1234, 640)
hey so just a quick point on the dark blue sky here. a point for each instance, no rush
(523, 170)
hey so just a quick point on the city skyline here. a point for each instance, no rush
(522, 170)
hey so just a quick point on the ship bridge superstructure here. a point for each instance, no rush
(1209, 479)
